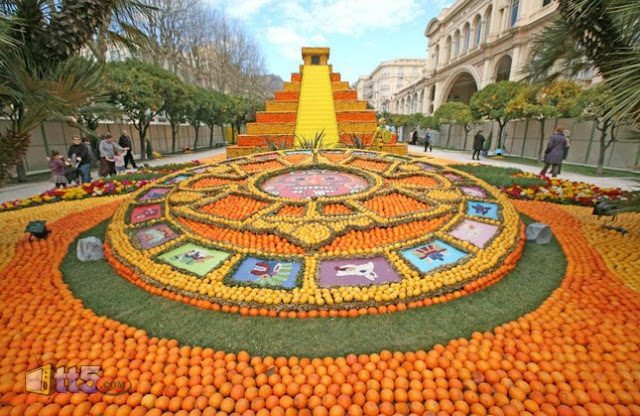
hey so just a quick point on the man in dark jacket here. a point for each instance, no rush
(554, 153)
(80, 157)
(126, 143)
(427, 141)
(478, 144)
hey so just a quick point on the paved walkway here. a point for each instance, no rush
(12, 192)
(628, 184)
(24, 190)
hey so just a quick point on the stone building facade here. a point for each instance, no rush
(390, 76)
(472, 44)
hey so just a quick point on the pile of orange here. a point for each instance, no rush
(577, 354)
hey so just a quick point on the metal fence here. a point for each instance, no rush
(57, 136)
(523, 139)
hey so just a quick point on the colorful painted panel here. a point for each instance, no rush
(474, 191)
(194, 258)
(268, 273)
(176, 180)
(453, 177)
(145, 213)
(356, 272)
(482, 209)
(477, 233)
(155, 235)
(267, 156)
(303, 184)
(366, 154)
(433, 255)
(426, 166)
(155, 193)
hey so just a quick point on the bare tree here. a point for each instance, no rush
(206, 48)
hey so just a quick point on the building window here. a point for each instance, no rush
(467, 38)
(487, 29)
(315, 60)
(546, 2)
(478, 32)
(514, 11)
(457, 44)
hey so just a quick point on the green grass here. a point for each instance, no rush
(581, 169)
(497, 176)
(538, 273)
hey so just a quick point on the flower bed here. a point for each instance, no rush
(121, 184)
(324, 233)
(563, 191)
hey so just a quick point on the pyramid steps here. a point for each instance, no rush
(328, 103)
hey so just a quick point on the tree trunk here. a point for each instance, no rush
(541, 144)
(603, 151)
(174, 133)
(500, 131)
(448, 135)
(13, 148)
(466, 133)
(21, 171)
(210, 136)
(224, 139)
(195, 141)
(142, 131)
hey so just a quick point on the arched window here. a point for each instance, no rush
(478, 31)
(467, 37)
(515, 4)
(436, 58)
(487, 17)
(457, 41)
(447, 50)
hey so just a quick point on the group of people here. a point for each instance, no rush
(112, 158)
(427, 139)
(555, 153)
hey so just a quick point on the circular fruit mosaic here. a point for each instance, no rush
(309, 230)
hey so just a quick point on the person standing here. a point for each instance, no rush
(56, 164)
(427, 141)
(80, 158)
(554, 153)
(478, 144)
(108, 149)
(126, 143)
(414, 136)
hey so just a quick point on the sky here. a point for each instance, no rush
(360, 33)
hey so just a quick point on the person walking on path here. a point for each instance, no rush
(126, 143)
(427, 141)
(478, 145)
(414, 136)
(80, 158)
(554, 153)
(108, 149)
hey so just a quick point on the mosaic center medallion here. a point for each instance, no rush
(314, 183)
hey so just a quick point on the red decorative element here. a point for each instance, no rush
(356, 116)
(345, 95)
(277, 117)
(288, 95)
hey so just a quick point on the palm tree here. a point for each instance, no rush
(40, 74)
(604, 34)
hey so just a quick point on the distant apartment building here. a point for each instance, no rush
(390, 76)
(472, 44)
